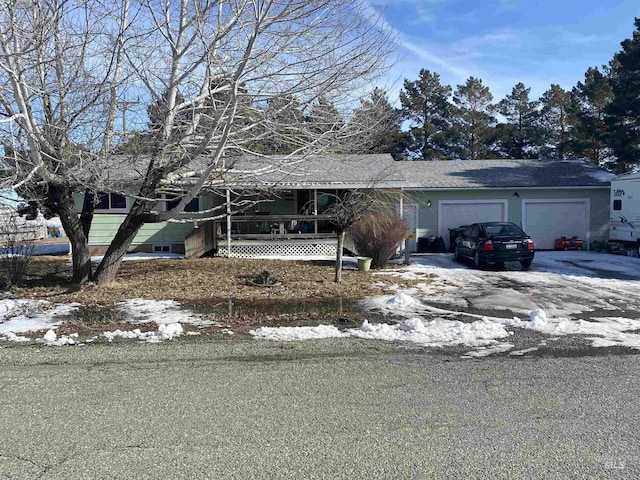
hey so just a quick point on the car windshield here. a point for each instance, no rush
(502, 229)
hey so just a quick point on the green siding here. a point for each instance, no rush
(105, 225)
(428, 216)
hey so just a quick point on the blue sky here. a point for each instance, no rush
(503, 42)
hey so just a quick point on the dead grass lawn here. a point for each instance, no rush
(306, 292)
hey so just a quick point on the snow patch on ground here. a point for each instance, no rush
(167, 331)
(140, 310)
(486, 351)
(19, 316)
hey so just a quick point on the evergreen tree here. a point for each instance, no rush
(555, 122)
(380, 125)
(324, 117)
(474, 119)
(519, 137)
(281, 131)
(425, 103)
(623, 113)
(589, 99)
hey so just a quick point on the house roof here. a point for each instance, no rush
(379, 170)
(382, 171)
(337, 171)
(463, 174)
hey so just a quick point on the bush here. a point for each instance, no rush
(378, 235)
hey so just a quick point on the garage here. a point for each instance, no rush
(546, 220)
(453, 213)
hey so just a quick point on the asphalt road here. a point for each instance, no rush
(323, 409)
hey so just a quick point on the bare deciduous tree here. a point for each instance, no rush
(88, 90)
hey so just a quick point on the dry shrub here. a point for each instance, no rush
(378, 235)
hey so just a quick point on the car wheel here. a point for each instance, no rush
(476, 260)
(525, 264)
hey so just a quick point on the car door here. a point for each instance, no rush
(475, 237)
(466, 241)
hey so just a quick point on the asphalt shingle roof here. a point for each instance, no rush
(352, 171)
(503, 173)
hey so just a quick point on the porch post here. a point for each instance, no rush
(228, 223)
(315, 209)
(404, 242)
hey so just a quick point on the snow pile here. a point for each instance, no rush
(434, 333)
(482, 334)
(140, 310)
(12, 337)
(51, 339)
(402, 303)
(610, 329)
(166, 331)
(297, 333)
(20, 316)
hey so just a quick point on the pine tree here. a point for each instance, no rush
(281, 133)
(380, 127)
(473, 119)
(324, 117)
(623, 113)
(519, 137)
(555, 122)
(589, 99)
(425, 103)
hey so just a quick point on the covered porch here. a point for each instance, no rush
(290, 224)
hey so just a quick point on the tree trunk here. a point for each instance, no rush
(60, 201)
(340, 236)
(108, 268)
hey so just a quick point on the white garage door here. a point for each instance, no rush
(546, 220)
(453, 213)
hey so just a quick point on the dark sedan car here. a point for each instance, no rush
(494, 243)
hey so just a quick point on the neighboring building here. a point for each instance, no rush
(17, 228)
(548, 198)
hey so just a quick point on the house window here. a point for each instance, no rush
(111, 201)
(192, 206)
(617, 204)
(162, 249)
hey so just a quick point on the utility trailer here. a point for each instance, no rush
(624, 226)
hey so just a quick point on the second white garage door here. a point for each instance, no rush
(453, 213)
(546, 220)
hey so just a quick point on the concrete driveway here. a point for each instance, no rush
(577, 300)
(576, 285)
